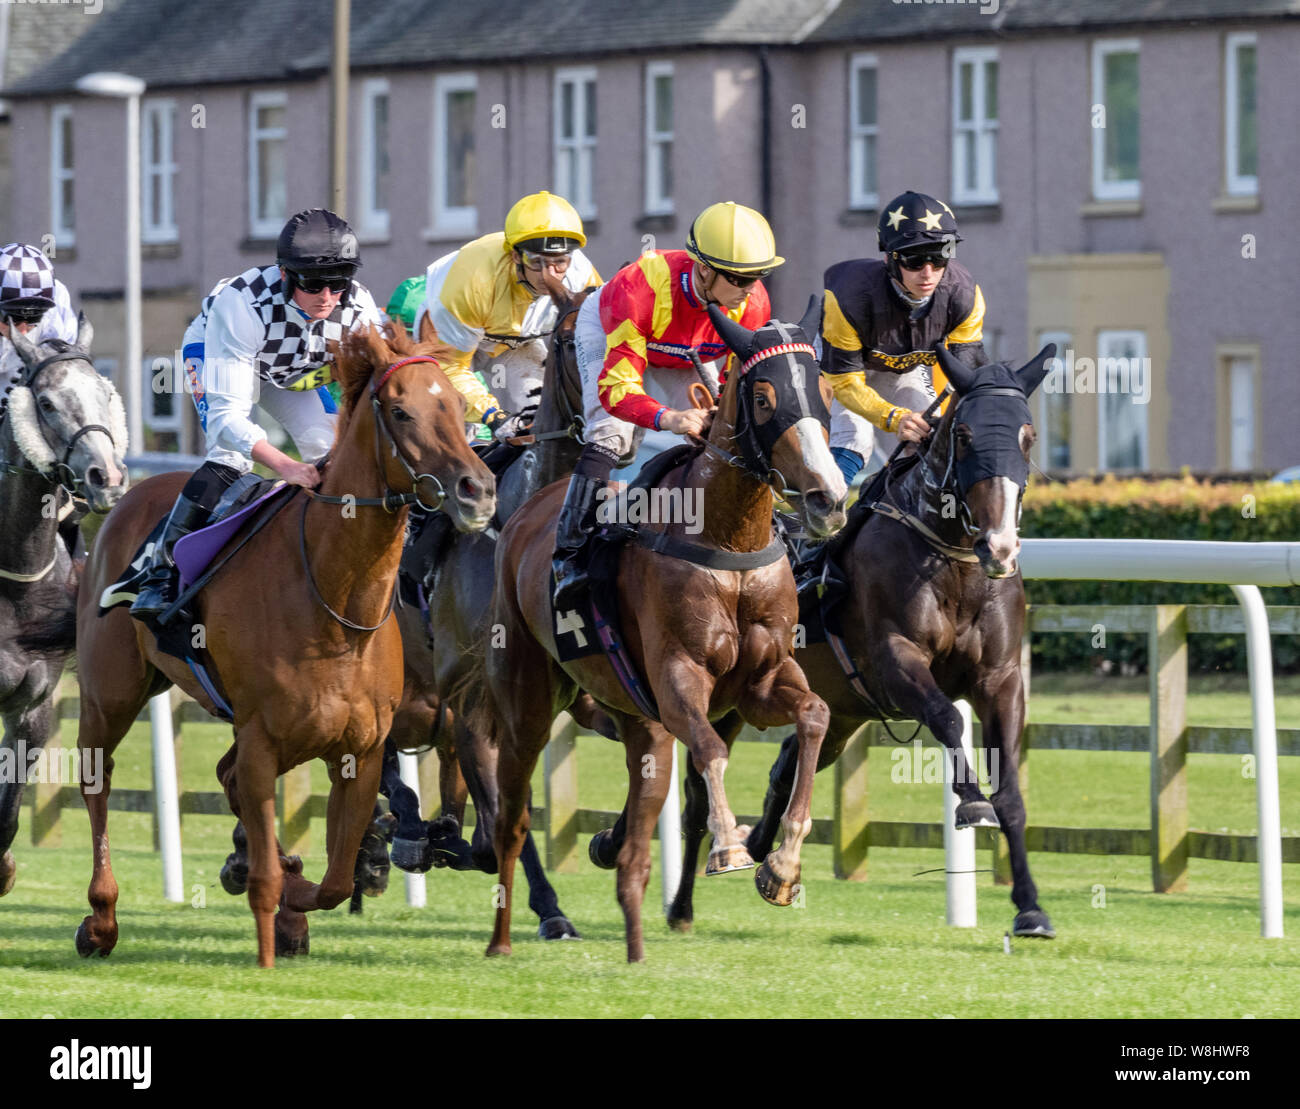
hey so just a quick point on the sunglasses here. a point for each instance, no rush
(741, 280)
(335, 283)
(535, 261)
(920, 259)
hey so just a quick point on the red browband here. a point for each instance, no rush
(771, 352)
(375, 386)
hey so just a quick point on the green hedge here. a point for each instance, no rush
(1135, 508)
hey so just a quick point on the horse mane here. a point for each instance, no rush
(369, 349)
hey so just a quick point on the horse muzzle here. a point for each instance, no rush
(999, 553)
(822, 516)
(472, 502)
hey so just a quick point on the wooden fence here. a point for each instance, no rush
(1168, 840)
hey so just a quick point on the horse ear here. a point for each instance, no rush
(960, 374)
(811, 324)
(24, 346)
(739, 339)
(1031, 374)
(85, 333)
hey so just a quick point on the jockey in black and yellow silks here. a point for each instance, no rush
(881, 321)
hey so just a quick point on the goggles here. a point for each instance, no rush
(741, 280)
(535, 260)
(919, 259)
(315, 283)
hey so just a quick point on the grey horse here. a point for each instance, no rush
(62, 451)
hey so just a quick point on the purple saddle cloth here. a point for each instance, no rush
(193, 553)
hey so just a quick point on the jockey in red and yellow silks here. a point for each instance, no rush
(639, 332)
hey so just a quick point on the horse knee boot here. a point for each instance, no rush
(160, 587)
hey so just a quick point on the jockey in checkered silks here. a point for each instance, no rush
(267, 337)
(35, 302)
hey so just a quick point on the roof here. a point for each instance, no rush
(30, 35)
(171, 43)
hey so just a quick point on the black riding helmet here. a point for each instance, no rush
(316, 243)
(914, 222)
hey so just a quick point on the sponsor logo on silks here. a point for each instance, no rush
(197, 391)
(312, 379)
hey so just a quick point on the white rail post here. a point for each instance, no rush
(1268, 839)
(959, 846)
(166, 800)
(670, 836)
(409, 769)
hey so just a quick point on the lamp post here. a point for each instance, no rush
(122, 86)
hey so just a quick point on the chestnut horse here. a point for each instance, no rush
(62, 443)
(935, 610)
(707, 635)
(297, 626)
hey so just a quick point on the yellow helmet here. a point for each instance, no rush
(731, 237)
(544, 223)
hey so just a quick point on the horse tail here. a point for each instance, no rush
(51, 631)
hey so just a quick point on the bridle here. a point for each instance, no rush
(563, 344)
(390, 502)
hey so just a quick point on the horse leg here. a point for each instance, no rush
(783, 698)
(1000, 703)
(542, 898)
(681, 913)
(254, 781)
(648, 745)
(24, 731)
(683, 695)
(518, 757)
(410, 841)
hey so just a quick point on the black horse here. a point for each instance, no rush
(933, 610)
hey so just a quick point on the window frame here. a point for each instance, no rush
(1144, 448)
(655, 204)
(860, 133)
(373, 221)
(1236, 184)
(1101, 188)
(448, 220)
(65, 234)
(985, 131)
(270, 227)
(578, 76)
(161, 174)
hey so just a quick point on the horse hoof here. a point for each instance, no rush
(411, 855)
(1033, 924)
(680, 923)
(724, 859)
(8, 872)
(601, 850)
(287, 946)
(496, 949)
(234, 878)
(775, 890)
(976, 814)
(557, 928)
(87, 947)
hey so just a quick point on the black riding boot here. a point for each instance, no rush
(160, 588)
(577, 521)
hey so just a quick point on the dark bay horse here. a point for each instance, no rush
(311, 670)
(707, 638)
(935, 611)
(62, 446)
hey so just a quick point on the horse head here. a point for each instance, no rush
(782, 420)
(67, 418)
(420, 442)
(983, 445)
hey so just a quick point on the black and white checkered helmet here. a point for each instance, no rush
(26, 278)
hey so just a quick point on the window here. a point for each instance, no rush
(1115, 120)
(1237, 400)
(1122, 371)
(158, 172)
(1053, 425)
(267, 164)
(163, 393)
(374, 158)
(862, 132)
(659, 138)
(454, 102)
(1241, 144)
(975, 125)
(575, 138)
(63, 212)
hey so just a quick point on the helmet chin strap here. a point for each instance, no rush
(708, 289)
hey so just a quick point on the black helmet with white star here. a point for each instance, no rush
(914, 219)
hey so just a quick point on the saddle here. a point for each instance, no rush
(238, 511)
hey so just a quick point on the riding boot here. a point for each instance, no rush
(577, 521)
(160, 587)
(70, 532)
(429, 536)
